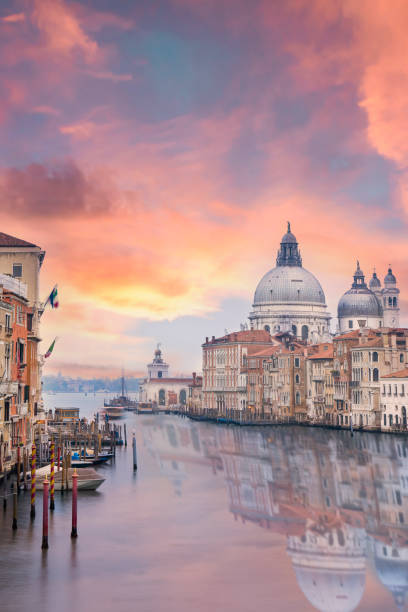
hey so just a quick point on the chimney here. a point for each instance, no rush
(206, 339)
(194, 378)
(213, 339)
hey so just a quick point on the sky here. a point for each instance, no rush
(157, 149)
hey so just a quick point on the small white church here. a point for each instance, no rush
(160, 388)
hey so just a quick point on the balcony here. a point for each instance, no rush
(354, 383)
(8, 388)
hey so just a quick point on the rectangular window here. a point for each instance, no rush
(30, 328)
(297, 362)
(17, 270)
(351, 324)
(26, 393)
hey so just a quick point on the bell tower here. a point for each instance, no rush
(390, 297)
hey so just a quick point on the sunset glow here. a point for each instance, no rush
(155, 151)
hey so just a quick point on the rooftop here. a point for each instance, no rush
(324, 351)
(187, 381)
(401, 374)
(10, 241)
(249, 335)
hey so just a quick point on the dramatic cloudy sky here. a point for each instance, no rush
(156, 149)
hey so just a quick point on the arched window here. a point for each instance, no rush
(390, 420)
(389, 301)
(183, 396)
(267, 328)
(159, 374)
(162, 397)
(294, 330)
(297, 398)
(375, 356)
(404, 416)
(305, 332)
(394, 302)
(375, 375)
(297, 379)
(401, 357)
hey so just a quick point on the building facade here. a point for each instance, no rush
(20, 362)
(224, 381)
(394, 401)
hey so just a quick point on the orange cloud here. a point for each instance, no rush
(62, 30)
(14, 18)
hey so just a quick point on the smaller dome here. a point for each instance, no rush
(289, 237)
(390, 278)
(357, 303)
(374, 282)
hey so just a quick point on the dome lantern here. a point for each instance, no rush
(289, 254)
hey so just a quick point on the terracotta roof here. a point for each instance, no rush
(11, 241)
(249, 335)
(401, 374)
(323, 354)
(265, 352)
(187, 381)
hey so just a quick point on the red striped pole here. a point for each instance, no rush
(44, 544)
(74, 531)
(18, 468)
(32, 511)
(52, 476)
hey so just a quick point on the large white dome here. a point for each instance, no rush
(289, 284)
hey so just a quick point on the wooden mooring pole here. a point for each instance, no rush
(44, 544)
(32, 510)
(74, 530)
(134, 452)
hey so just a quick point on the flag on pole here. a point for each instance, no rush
(48, 353)
(53, 298)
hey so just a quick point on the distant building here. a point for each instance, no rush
(159, 388)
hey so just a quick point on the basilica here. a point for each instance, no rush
(289, 298)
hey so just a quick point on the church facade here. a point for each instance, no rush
(369, 306)
(159, 388)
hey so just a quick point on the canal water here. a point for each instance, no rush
(221, 518)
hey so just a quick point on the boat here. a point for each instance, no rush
(88, 478)
(115, 408)
(78, 461)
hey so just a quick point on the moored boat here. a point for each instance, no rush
(88, 478)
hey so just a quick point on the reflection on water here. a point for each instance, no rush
(341, 502)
